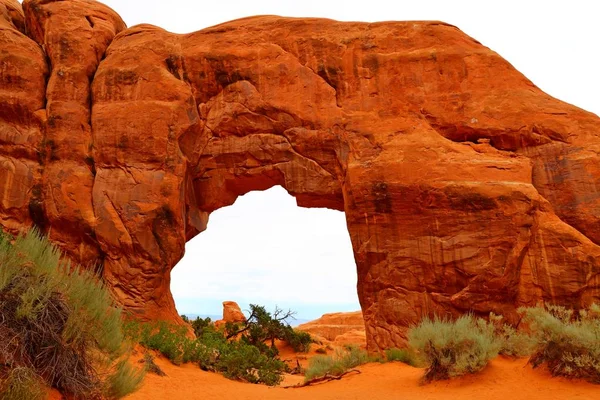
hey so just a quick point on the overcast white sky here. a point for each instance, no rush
(264, 249)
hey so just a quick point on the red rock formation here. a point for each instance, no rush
(341, 328)
(74, 35)
(23, 73)
(465, 187)
(232, 312)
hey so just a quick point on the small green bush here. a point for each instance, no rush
(453, 348)
(245, 362)
(335, 365)
(199, 325)
(168, 339)
(123, 380)
(513, 343)
(298, 340)
(321, 365)
(406, 356)
(568, 342)
(352, 356)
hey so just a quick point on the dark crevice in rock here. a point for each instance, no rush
(36, 209)
(90, 21)
(173, 63)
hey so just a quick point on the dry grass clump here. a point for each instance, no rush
(406, 356)
(336, 365)
(22, 383)
(59, 326)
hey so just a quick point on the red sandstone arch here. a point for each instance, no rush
(465, 187)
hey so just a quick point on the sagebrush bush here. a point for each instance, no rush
(453, 348)
(343, 360)
(568, 342)
(58, 321)
(513, 343)
(123, 380)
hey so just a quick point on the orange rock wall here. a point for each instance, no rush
(465, 187)
(333, 325)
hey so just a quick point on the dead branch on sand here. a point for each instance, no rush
(322, 379)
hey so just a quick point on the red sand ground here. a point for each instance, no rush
(503, 379)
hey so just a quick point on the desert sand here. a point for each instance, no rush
(503, 379)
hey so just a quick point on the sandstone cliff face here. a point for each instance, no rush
(465, 187)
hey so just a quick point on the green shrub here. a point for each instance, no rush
(57, 321)
(343, 360)
(352, 356)
(513, 343)
(168, 339)
(199, 325)
(262, 327)
(123, 380)
(321, 365)
(453, 348)
(406, 356)
(568, 342)
(298, 340)
(212, 351)
(245, 362)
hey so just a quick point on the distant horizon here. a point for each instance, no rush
(214, 308)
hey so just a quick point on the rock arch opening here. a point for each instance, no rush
(266, 250)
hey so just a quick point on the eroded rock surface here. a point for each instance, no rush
(232, 312)
(465, 187)
(341, 328)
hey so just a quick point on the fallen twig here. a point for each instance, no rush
(322, 379)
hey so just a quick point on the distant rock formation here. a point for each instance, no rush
(465, 187)
(340, 328)
(232, 312)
